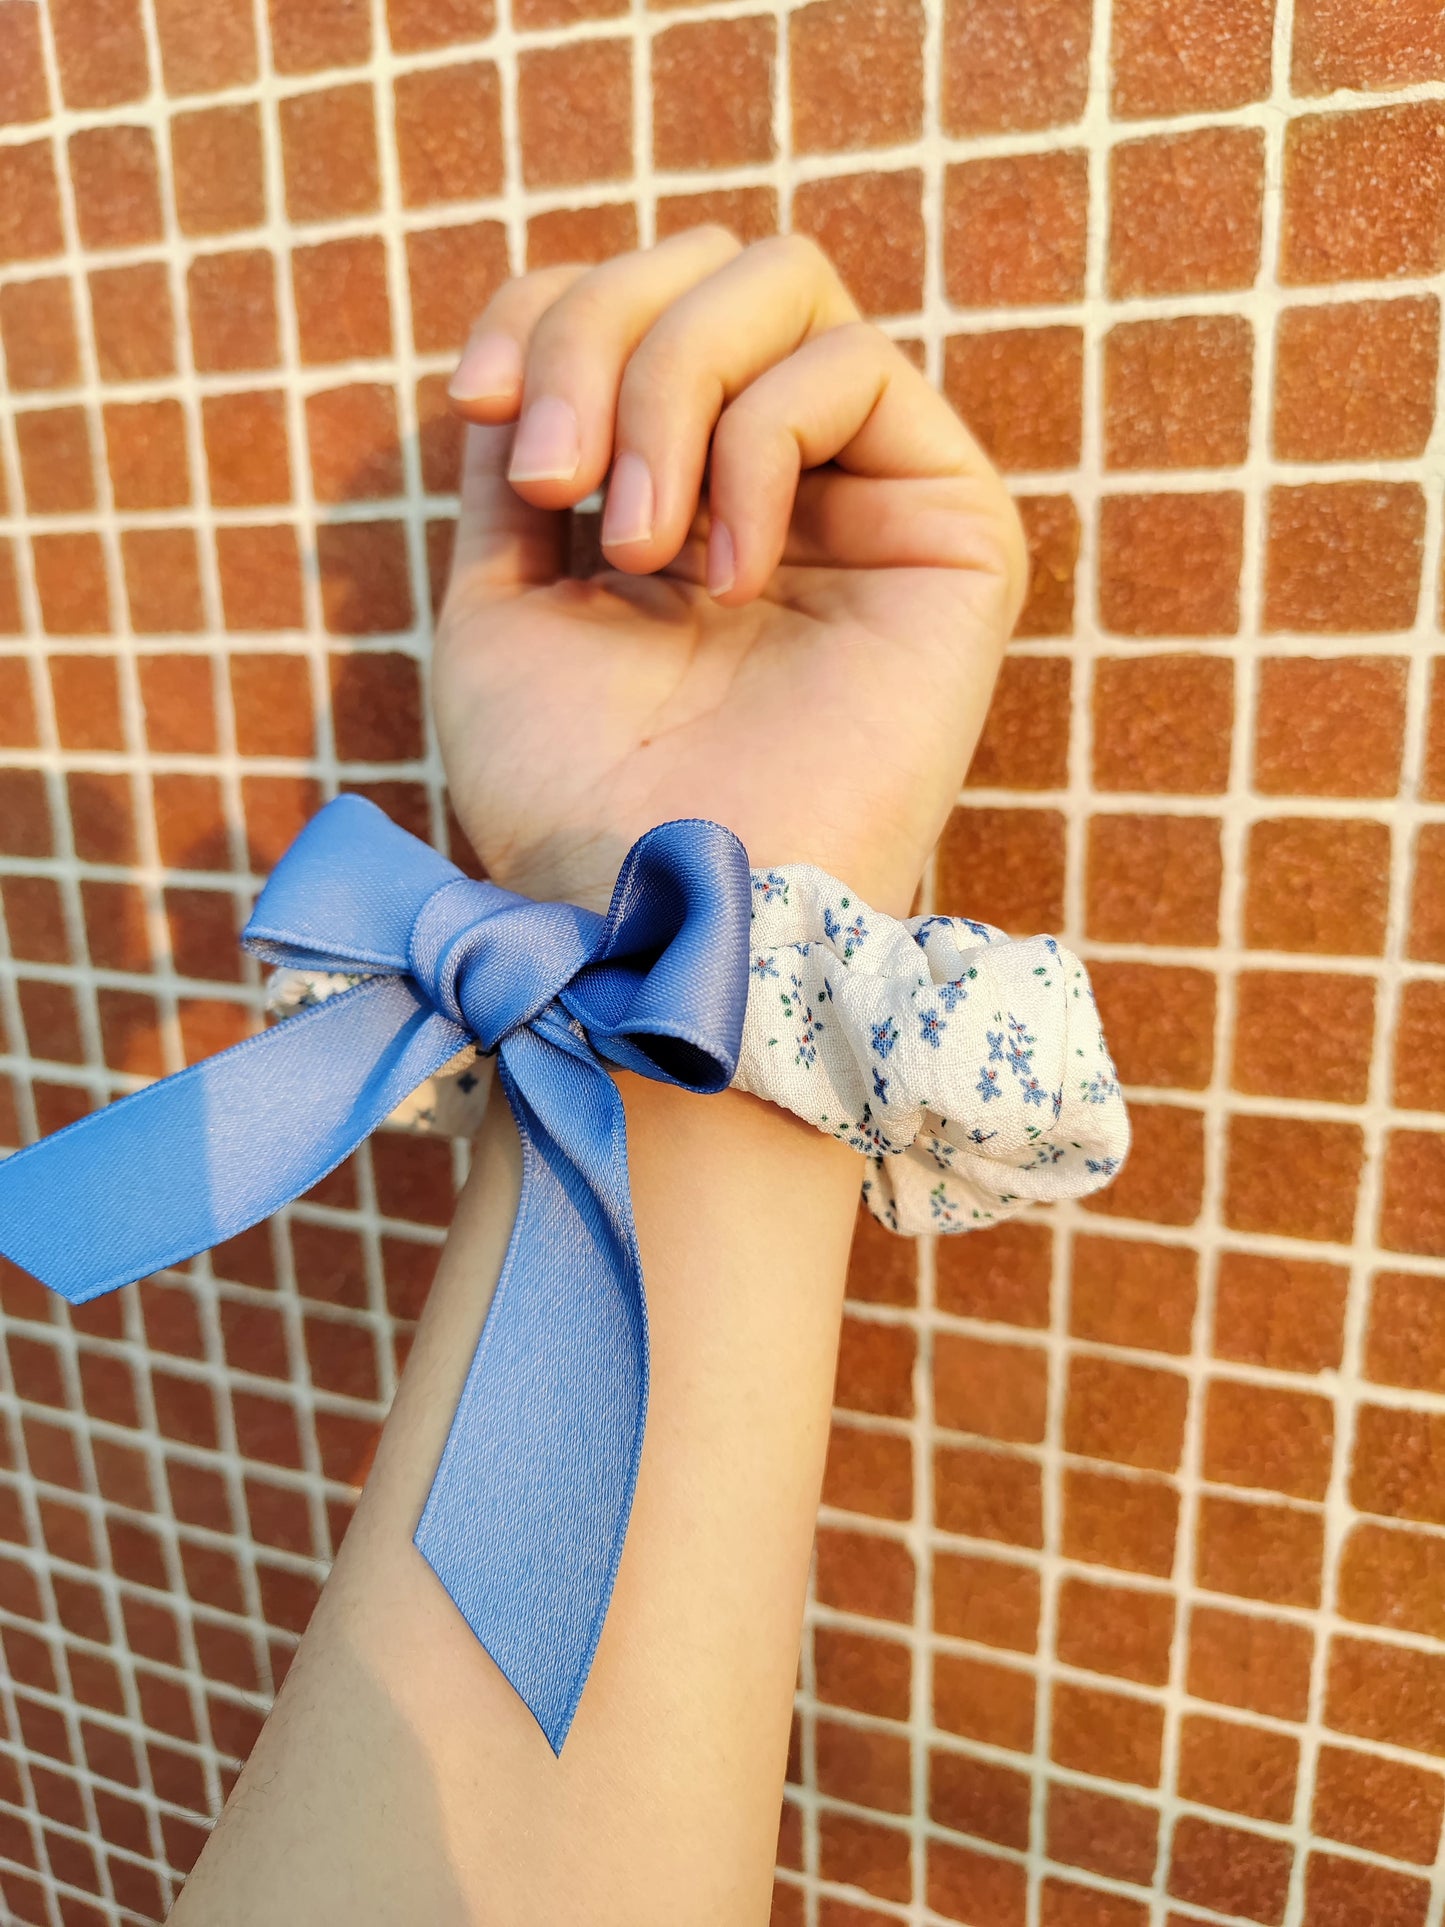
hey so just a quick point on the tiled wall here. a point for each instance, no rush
(1130, 1589)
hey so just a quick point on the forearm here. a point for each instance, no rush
(400, 1779)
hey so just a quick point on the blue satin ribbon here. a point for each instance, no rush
(527, 1512)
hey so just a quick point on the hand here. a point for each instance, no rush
(812, 573)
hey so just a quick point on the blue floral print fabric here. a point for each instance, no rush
(967, 1067)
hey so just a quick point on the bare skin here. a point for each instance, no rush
(823, 701)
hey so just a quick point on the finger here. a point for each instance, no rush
(487, 383)
(575, 351)
(852, 398)
(705, 350)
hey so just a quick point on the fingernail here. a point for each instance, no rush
(490, 367)
(628, 514)
(547, 446)
(719, 559)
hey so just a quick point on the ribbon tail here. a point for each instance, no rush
(527, 1513)
(193, 1159)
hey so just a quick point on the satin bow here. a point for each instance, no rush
(526, 1515)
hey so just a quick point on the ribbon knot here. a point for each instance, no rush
(490, 960)
(526, 1515)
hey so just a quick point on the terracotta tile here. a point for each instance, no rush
(1272, 1553)
(52, 1021)
(1131, 1414)
(1025, 740)
(1426, 939)
(29, 203)
(574, 104)
(1331, 727)
(1337, 45)
(1189, 57)
(440, 437)
(875, 1367)
(976, 1887)
(1021, 392)
(266, 1429)
(1118, 1521)
(587, 234)
(1364, 194)
(162, 581)
(276, 810)
(979, 1797)
(1107, 1734)
(1292, 1177)
(1051, 525)
(56, 461)
(1260, 1435)
(991, 1390)
(857, 1853)
(1126, 1291)
(1115, 1629)
(1389, 1693)
(355, 443)
(146, 450)
(842, 101)
(1396, 1470)
(1004, 865)
(86, 694)
(177, 696)
(37, 330)
(1008, 69)
(1393, 1578)
(205, 45)
(328, 153)
(864, 1765)
(1384, 1806)
(134, 327)
(102, 817)
(70, 579)
(441, 534)
(1305, 1034)
(309, 35)
(365, 588)
(11, 622)
(1159, 1021)
(24, 90)
(1286, 1313)
(342, 1359)
(712, 84)
(449, 133)
(862, 1572)
(1356, 381)
(1243, 1769)
(342, 308)
(882, 1269)
(453, 273)
(190, 822)
(1317, 885)
(248, 456)
(1177, 392)
(1144, 590)
(1432, 778)
(260, 572)
(1116, 1838)
(750, 212)
(232, 304)
(1153, 879)
(1163, 1180)
(330, 1266)
(1405, 1343)
(1343, 556)
(1229, 1869)
(100, 51)
(35, 920)
(218, 168)
(993, 1705)
(1065, 1903)
(869, 1675)
(376, 708)
(994, 1602)
(1185, 212)
(271, 700)
(204, 927)
(871, 228)
(1339, 1890)
(988, 1495)
(416, 25)
(1015, 229)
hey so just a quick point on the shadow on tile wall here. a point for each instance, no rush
(1129, 1597)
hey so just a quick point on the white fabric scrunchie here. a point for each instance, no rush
(968, 1067)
